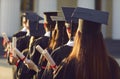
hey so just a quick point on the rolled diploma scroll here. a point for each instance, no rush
(47, 56)
(38, 47)
(14, 41)
(20, 55)
(27, 61)
(5, 37)
(9, 46)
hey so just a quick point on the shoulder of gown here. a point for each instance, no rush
(115, 69)
(66, 70)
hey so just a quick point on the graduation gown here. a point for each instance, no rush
(58, 55)
(34, 56)
(23, 42)
(23, 72)
(19, 34)
(65, 70)
(115, 68)
(43, 42)
(42, 63)
(60, 73)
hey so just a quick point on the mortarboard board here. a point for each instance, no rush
(57, 18)
(67, 11)
(33, 17)
(48, 14)
(90, 15)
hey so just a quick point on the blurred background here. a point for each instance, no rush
(10, 21)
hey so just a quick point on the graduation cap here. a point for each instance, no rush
(90, 15)
(24, 14)
(90, 20)
(33, 17)
(67, 11)
(48, 14)
(60, 25)
(59, 20)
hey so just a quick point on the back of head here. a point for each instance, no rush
(62, 34)
(34, 23)
(89, 49)
(59, 35)
(68, 11)
(48, 23)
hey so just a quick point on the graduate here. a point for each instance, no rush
(43, 42)
(23, 31)
(89, 58)
(23, 37)
(59, 37)
(63, 51)
(31, 22)
(71, 28)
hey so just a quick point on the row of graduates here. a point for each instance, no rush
(75, 43)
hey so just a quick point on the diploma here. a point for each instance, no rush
(47, 56)
(39, 48)
(29, 63)
(14, 41)
(49, 59)
(20, 55)
(5, 37)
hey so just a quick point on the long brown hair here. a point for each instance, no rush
(59, 35)
(90, 53)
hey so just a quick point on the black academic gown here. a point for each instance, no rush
(43, 42)
(23, 42)
(42, 64)
(34, 56)
(60, 73)
(115, 68)
(65, 70)
(19, 34)
(58, 55)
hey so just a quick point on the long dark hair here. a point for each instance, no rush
(59, 35)
(90, 53)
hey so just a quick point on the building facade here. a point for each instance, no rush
(10, 11)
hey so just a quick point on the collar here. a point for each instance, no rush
(24, 29)
(70, 43)
(28, 33)
(47, 34)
